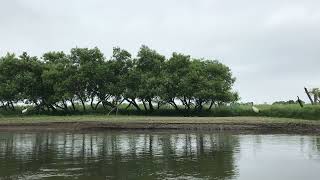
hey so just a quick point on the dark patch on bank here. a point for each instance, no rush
(217, 127)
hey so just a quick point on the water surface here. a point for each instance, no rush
(158, 155)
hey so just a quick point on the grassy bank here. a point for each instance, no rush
(284, 111)
(102, 122)
(151, 119)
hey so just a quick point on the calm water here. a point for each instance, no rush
(158, 155)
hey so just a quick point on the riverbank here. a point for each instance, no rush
(94, 122)
(308, 112)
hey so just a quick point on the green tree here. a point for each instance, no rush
(174, 86)
(111, 76)
(86, 61)
(58, 74)
(218, 89)
(149, 66)
(197, 82)
(59, 81)
(9, 89)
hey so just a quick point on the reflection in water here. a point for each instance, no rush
(158, 155)
(117, 155)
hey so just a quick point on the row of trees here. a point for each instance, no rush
(59, 81)
(288, 102)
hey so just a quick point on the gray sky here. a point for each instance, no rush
(271, 46)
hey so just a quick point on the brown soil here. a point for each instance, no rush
(93, 126)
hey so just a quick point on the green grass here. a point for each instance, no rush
(149, 119)
(308, 112)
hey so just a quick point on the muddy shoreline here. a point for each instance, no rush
(298, 128)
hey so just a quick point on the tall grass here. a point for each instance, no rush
(286, 111)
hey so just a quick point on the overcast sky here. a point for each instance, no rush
(272, 46)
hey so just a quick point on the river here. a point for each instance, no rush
(158, 155)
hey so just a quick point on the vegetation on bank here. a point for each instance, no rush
(310, 112)
(151, 119)
(85, 81)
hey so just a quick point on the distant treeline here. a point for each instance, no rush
(288, 102)
(85, 78)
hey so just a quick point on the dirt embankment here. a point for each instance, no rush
(92, 126)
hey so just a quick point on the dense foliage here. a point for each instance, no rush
(85, 78)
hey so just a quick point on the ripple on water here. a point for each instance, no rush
(157, 155)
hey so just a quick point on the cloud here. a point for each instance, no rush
(271, 46)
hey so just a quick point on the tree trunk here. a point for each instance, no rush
(185, 103)
(83, 105)
(307, 92)
(199, 104)
(134, 103)
(37, 106)
(174, 105)
(300, 102)
(65, 106)
(72, 104)
(91, 103)
(59, 106)
(150, 104)
(96, 107)
(128, 105)
(144, 105)
(53, 108)
(315, 97)
(12, 106)
(189, 104)
(116, 107)
(211, 104)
